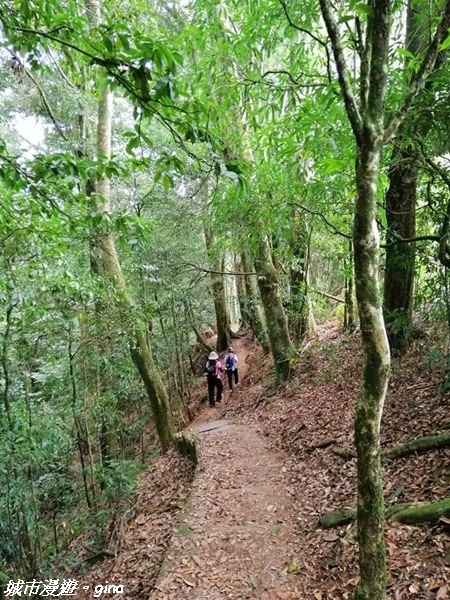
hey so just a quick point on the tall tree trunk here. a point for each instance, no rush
(301, 321)
(369, 407)
(219, 298)
(140, 351)
(240, 288)
(277, 325)
(349, 311)
(367, 121)
(252, 303)
(366, 118)
(220, 306)
(400, 258)
(401, 205)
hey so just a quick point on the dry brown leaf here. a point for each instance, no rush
(330, 536)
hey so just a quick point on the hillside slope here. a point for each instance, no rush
(268, 472)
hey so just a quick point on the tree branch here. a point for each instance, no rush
(46, 103)
(365, 55)
(316, 213)
(413, 240)
(342, 69)
(311, 35)
(425, 69)
(329, 296)
(379, 49)
(294, 81)
(214, 272)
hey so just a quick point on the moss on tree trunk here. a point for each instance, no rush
(156, 391)
(369, 408)
(300, 317)
(277, 325)
(242, 297)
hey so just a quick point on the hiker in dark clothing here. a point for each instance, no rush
(213, 370)
(231, 361)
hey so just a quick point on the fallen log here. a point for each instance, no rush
(186, 444)
(339, 517)
(403, 512)
(423, 444)
(423, 513)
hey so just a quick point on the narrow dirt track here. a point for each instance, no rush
(237, 539)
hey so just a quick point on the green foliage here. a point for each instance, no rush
(227, 119)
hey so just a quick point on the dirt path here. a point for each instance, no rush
(237, 539)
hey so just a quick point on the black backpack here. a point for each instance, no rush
(229, 362)
(211, 367)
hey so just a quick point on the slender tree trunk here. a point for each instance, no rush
(78, 429)
(400, 258)
(252, 301)
(277, 325)
(140, 350)
(401, 205)
(366, 117)
(349, 310)
(301, 321)
(202, 342)
(88, 434)
(5, 361)
(240, 288)
(219, 298)
(156, 391)
(220, 305)
(220, 292)
(370, 402)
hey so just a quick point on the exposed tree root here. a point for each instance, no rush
(423, 444)
(339, 517)
(417, 445)
(423, 513)
(405, 513)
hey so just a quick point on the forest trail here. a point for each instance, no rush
(237, 538)
(208, 414)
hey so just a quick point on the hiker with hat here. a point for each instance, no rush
(213, 370)
(231, 361)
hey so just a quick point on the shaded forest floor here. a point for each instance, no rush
(247, 528)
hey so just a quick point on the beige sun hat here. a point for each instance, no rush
(213, 356)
